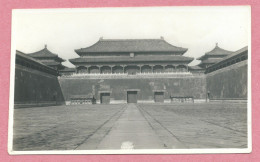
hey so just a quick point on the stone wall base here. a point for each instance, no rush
(39, 104)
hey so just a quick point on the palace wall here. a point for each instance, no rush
(182, 86)
(33, 87)
(229, 82)
(36, 88)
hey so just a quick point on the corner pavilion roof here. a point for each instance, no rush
(234, 54)
(131, 45)
(45, 53)
(128, 59)
(217, 51)
(21, 54)
(211, 60)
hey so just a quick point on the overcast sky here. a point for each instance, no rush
(196, 28)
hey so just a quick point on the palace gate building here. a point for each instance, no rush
(134, 71)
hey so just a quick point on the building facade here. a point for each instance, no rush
(134, 71)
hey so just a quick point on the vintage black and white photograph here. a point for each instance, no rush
(130, 80)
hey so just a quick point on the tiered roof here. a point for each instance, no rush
(108, 47)
(211, 60)
(22, 56)
(217, 51)
(213, 56)
(131, 45)
(45, 53)
(54, 59)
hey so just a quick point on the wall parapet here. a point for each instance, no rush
(127, 76)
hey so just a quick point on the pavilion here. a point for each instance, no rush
(213, 56)
(48, 58)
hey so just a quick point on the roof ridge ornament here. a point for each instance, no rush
(101, 38)
(217, 44)
(162, 37)
(45, 46)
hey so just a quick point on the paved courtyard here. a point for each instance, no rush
(131, 126)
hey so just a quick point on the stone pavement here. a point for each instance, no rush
(131, 131)
(131, 126)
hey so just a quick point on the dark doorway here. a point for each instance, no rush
(158, 96)
(131, 96)
(104, 98)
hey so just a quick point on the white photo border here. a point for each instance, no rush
(118, 151)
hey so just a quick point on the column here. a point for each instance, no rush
(87, 69)
(139, 68)
(77, 71)
(177, 68)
